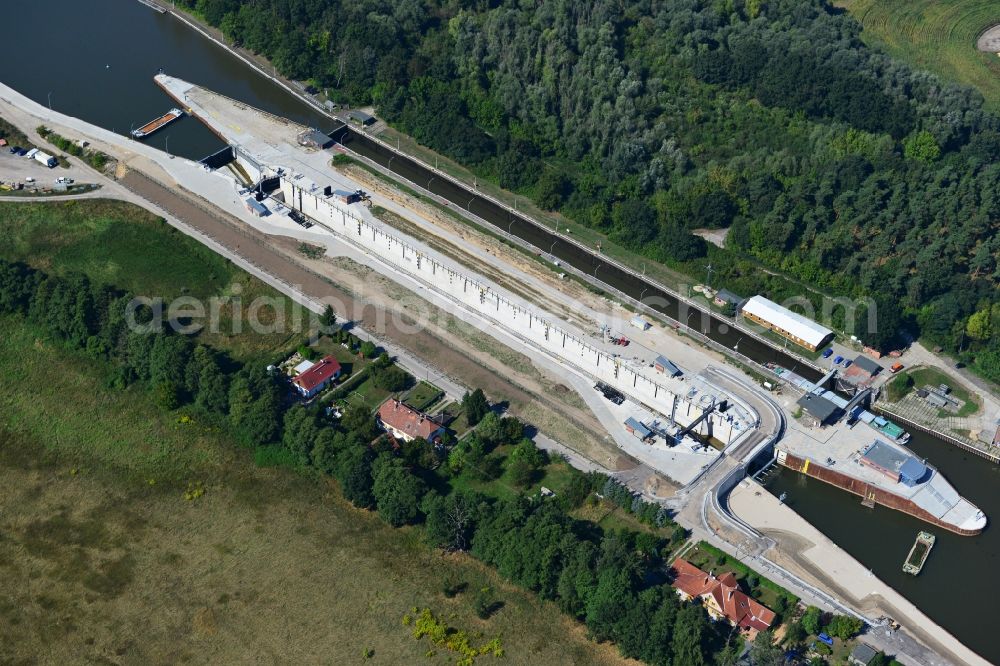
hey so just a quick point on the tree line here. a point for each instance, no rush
(826, 160)
(614, 581)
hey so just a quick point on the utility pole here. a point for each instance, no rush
(708, 283)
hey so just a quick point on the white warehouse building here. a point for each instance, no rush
(800, 330)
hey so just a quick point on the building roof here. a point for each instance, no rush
(303, 366)
(313, 137)
(818, 407)
(257, 206)
(887, 457)
(668, 366)
(361, 116)
(639, 429)
(867, 364)
(792, 322)
(863, 653)
(736, 605)
(412, 422)
(321, 372)
(728, 297)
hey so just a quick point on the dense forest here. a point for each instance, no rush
(827, 161)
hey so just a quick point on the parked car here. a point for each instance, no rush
(16, 150)
(837, 360)
(896, 367)
(847, 363)
(64, 180)
(828, 352)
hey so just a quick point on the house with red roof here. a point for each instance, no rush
(317, 377)
(722, 597)
(406, 423)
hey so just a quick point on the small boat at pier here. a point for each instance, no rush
(918, 554)
(158, 124)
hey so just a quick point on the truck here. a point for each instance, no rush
(45, 159)
(640, 323)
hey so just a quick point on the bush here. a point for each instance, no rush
(844, 626)
(486, 604)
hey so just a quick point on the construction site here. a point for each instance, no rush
(616, 392)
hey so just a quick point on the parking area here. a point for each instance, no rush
(30, 174)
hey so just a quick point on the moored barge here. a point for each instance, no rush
(158, 124)
(918, 554)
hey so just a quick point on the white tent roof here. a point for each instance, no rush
(303, 366)
(799, 326)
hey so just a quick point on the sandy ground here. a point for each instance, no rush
(989, 41)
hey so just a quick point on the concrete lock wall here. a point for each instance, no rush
(478, 296)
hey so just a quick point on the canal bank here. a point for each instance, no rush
(880, 539)
(127, 95)
(805, 551)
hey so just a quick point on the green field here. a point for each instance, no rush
(933, 377)
(938, 35)
(120, 244)
(423, 395)
(265, 564)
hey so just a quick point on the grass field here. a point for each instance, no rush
(123, 245)
(423, 395)
(937, 35)
(267, 566)
(107, 561)
(933, 377)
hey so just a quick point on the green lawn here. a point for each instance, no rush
(123, 245)
(938, 35)
(933, 377)
(112, 243)
(60, 399)
(423, 395)
(361, 389)
(612, 517)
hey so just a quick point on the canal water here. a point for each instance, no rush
(96, 60)
(958, 585)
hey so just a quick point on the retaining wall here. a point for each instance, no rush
(661, 394)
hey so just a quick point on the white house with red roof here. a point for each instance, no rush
(406, 423)
(721, 597)
(317, 377)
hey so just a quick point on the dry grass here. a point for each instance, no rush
(266, 567)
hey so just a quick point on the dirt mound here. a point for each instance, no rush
(989, 40)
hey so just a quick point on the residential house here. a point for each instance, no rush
(406, 423)
(317, 377)
(722, 598)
